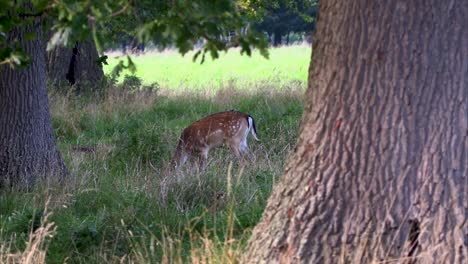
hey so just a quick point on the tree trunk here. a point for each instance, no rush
(277, 38)
(58, 64)
(27, 145)
(380, 168)
(76, 66)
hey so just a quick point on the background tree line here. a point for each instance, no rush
(282, 21)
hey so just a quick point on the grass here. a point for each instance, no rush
(35, 249)
(173, 71)
(111, 209)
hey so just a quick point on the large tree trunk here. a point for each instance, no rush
(27, 145)
(76, 66)
(380, 168)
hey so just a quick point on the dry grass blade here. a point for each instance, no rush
(36, 246)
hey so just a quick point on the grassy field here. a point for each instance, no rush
(171, 70)
(116, 205)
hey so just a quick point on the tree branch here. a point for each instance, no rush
(119, 12)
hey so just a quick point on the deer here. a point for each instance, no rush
(229, 128)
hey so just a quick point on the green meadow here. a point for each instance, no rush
(171, 70)
(117, 205)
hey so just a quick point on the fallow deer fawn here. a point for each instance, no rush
(230, 128)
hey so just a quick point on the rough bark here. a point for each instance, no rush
(58, 63)
(27, 146)
(380, 168)
(76, 66)
(277, 38)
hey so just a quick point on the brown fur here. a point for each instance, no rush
(230, 128)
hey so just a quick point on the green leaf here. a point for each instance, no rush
(264, 52)
(214, 53)
(203, 57)
(60, 37)
(16, 58)
(20, 59)
(6, 5)
(40, 5)
(5, 24)
(178, 24)
(102, 60)
(196, 55)
(131, 65)
(5, 53)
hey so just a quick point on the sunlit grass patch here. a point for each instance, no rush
(171, 70)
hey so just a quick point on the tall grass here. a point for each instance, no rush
(110, 209)
(35, 248)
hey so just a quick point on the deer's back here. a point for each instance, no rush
(213, 129)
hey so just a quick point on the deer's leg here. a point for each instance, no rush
(202, 158)
(179, 158)
(244, 148)
(182, 159)
(236, 149)
(246, 155)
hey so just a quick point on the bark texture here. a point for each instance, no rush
(380, 168)
(76, 66)
(27, 145)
